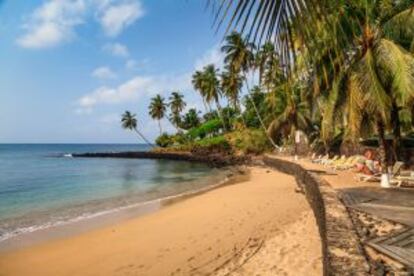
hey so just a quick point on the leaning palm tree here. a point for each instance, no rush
(239, 58)
(129, 121)
(157, 109)
(177, 105)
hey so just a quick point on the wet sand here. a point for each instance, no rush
(259, 226)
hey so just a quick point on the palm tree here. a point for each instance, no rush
(157, 109)
(377, 85)
(268, 64)
(197, 81)
(281, 22)
(191, 119)
(208, 84)
(231, 85)
(293, 113)
(239, 55)
(129, 121)
(239, 59)
(177, 105)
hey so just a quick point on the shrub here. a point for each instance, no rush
(249, 141)
(180, 139)
(164, 140)
(217, 144)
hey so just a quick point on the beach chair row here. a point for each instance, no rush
(397, 176)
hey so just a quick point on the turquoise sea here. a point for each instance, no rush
(41, 185)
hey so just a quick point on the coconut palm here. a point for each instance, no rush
(208, 84)
(239, 58)
(197, 81)
(281, 22)
(190, 119)
(177, 105)
(231, 85)
(376, 88)
(157, 109)
(268, 64)
(129, 121)
(293, 113)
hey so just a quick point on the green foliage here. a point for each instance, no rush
(210, 116)
(210, 127)
(190, 120)
(164, 140)
(218, 144)
(249, 141)
(250, 116)
(230, 114)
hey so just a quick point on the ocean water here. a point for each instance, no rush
(41, 185)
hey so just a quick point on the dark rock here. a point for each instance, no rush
(212, 159)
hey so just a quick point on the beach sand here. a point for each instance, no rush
(256, 227)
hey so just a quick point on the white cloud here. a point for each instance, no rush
(116, 17)
(212, 56)
(117, 49)
(55, 21)
(52, 23)
(134, 89)
(143, 86)
(103, 72)
(131, 64)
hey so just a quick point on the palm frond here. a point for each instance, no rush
(400, 28)
(377, 101)
(398, 66)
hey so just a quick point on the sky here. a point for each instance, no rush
(70, 68)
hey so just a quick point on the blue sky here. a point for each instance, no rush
(69, 68)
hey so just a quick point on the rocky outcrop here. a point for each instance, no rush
(214, 159)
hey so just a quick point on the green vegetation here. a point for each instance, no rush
(209, 128)
(337, 71)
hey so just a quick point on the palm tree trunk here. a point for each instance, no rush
(205, 105)
(220, 114)
(241, 113)
(159, 125)
(257, 113)
(396, 142)
(143, 137)
(383, 150)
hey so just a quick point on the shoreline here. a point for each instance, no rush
(33, 235)
(204, 233)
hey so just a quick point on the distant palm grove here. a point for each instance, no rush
(337, 71)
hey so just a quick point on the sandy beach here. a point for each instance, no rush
(256, 227)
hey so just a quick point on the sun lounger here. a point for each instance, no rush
(330, 161)
(376, 177)
(321, 159)
(338, 162)
(348, 164)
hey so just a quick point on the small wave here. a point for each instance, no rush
(5, 235)
(67, 155)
